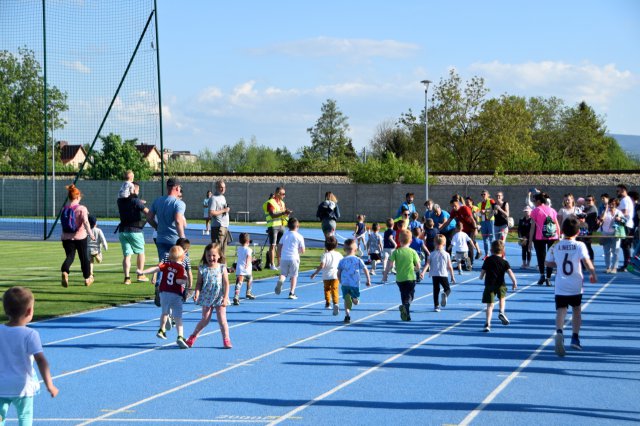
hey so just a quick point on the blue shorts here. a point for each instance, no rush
(354, 292)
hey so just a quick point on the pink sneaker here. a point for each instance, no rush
(191, 340)
(227, 343)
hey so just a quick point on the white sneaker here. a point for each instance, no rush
(336, 309)
(278, 288)
(292, 296)
(274, 268)
(373, 272)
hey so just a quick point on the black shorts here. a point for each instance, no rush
(275, 234)
(566, 301)
(374, 256)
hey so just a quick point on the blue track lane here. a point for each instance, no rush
(293, 362)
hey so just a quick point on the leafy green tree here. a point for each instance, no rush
(387, 169)
(505, 141)
(116, 157)
(404, 139)
(455, 139)
(329, 136)
(21, 111)
(583, 141)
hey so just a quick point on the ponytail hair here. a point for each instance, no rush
(73, 192)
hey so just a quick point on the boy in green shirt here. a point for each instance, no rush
(406, 261)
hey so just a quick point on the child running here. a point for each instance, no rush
(374, 246)
(96, 246)
(388, 243)
(173, 278)
(329, 267)
(212, 291)
(290, 248)
(568, 255)
(439, 267)
(407, 261)
(19, 347)
(460, 247)
(359, 233)
(349, 270)
(244, 268)
(493, 271)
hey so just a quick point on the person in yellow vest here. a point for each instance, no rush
(486, 219)
(277, 216)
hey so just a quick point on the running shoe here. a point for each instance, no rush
(443, 299)
(142, 279)
(487, 328)
(127, 281)
(182, 343)
(436, 309)
(327, 305)
(278, 288)
(249, 296)
(191, 340)
(502, 317)
(559, 348)
(347, 319)
(65, 280)
(292, 296)
(161, 334)
(541, 280)
(404, 315)
(336, 309)
(547, 282)
(236, 301)
(227, 343)
(575, 343)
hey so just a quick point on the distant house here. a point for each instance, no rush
(71, 155)
(184, 156)
(151, 154)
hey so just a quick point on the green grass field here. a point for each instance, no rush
(37, 265)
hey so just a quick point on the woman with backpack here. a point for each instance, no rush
(544, 232)
(75, 229)
(328, 213)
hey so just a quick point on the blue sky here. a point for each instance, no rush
(261, 69)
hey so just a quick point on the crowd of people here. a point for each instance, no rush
(412, 246)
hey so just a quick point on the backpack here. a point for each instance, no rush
(549, 228)
(68, 219)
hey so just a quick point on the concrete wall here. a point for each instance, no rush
(23, 197)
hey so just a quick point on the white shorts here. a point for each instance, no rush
(386, 252)
(289, 268)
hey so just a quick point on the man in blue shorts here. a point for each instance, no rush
(132, 219)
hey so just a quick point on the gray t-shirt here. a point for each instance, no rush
(218, 202)
(165, 209)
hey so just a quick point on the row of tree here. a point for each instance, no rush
(468, 131)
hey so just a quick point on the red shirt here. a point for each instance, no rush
(169, 273)
(464, 215)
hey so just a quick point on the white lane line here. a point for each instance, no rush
(146, 351)
(376, 367)
(489, 399)
(246, 362)
(123, 420)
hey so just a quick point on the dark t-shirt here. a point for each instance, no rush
(495, 267)
(430, 238)
(132, 218)
(500, 219)
(592, 217)
(389, 235)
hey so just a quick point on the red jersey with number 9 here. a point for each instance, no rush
(169, 273)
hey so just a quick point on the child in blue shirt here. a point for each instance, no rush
(349, 270)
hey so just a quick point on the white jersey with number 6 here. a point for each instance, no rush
(567, 255)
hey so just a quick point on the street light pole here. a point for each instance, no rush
(426, 141)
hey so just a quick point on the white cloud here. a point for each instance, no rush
(77, 66)
(244, 94)
(586, 81)
(328, 46)
(209, 94)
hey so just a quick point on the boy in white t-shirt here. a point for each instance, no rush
(19, 347)
(244, 268)
(329, 267)
(567, 256)
(460, 248)
(290, 248)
